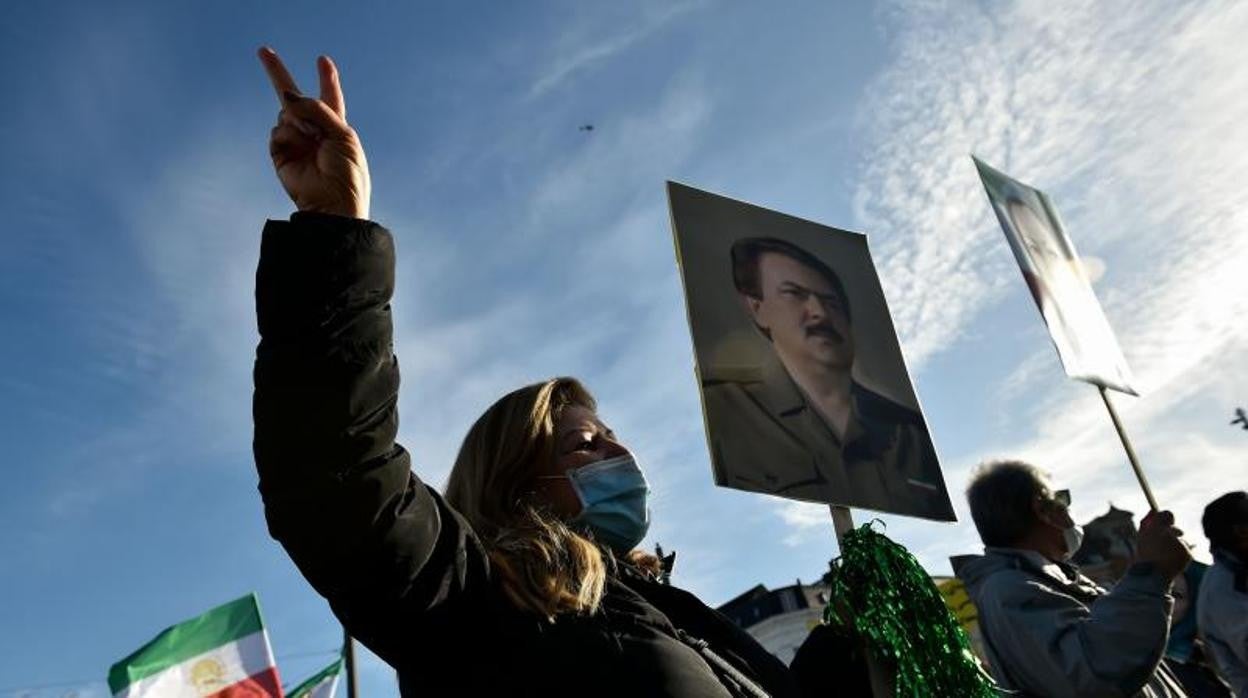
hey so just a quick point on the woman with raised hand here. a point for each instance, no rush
(521, 579)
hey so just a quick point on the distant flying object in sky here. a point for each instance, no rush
(586, 127)
(1240, 417)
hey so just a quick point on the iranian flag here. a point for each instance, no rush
(224, 653)
(321, 685)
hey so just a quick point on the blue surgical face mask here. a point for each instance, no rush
(613, 496)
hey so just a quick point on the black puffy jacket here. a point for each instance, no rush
(402, 569)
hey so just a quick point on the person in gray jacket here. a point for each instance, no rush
(1222, 607)
(1049, 630)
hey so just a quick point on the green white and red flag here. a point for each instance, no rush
(322, 684)
(224, 653)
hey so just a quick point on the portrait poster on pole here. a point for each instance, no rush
(1051, 267)
(804, 389)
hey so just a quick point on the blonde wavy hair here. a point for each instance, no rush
(543, 566)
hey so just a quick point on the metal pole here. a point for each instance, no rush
(348, 652)
(881, 680)
(1126, 444)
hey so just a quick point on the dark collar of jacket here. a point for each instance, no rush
(683, 616)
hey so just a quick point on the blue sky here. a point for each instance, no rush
(137, 180)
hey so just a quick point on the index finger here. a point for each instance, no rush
(278, 75)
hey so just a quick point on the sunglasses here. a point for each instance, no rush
(1062, 497)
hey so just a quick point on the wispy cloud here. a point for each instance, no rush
(620, 169)
(594, 224)
(1124, 115)
(1066, 97)
(585, 46)
(804, 519)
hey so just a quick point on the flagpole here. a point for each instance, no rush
(1126, 444)
(348, 653)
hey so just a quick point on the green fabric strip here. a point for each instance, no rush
(306, 686)
(221, 625)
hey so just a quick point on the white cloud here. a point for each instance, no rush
(804, 519)
(579, 52)
(1124, 114)
(1053, 95)
(597, 302)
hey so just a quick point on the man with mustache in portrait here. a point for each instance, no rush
(800, 425)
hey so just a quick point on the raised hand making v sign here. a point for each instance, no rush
(318, 156)
(527, 565)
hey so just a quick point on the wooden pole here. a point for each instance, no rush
(881, 680)
(842, 521)
(1126, 444)
(348, 652)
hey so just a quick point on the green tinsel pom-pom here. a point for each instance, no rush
(881, 594)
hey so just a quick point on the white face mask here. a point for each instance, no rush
(1072, 538)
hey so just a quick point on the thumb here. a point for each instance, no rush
(317, 113)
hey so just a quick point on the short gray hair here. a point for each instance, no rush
(1000, 495)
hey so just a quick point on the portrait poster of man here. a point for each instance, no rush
(1085, 342)
(804, 388)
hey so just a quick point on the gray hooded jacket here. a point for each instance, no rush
(1050, 631)
(1222, 615)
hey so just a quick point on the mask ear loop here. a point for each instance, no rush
(580, 498)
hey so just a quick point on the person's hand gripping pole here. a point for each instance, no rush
(318, 156)
(1159, 542)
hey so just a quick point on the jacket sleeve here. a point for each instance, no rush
(1054, 645)
(386, 551)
